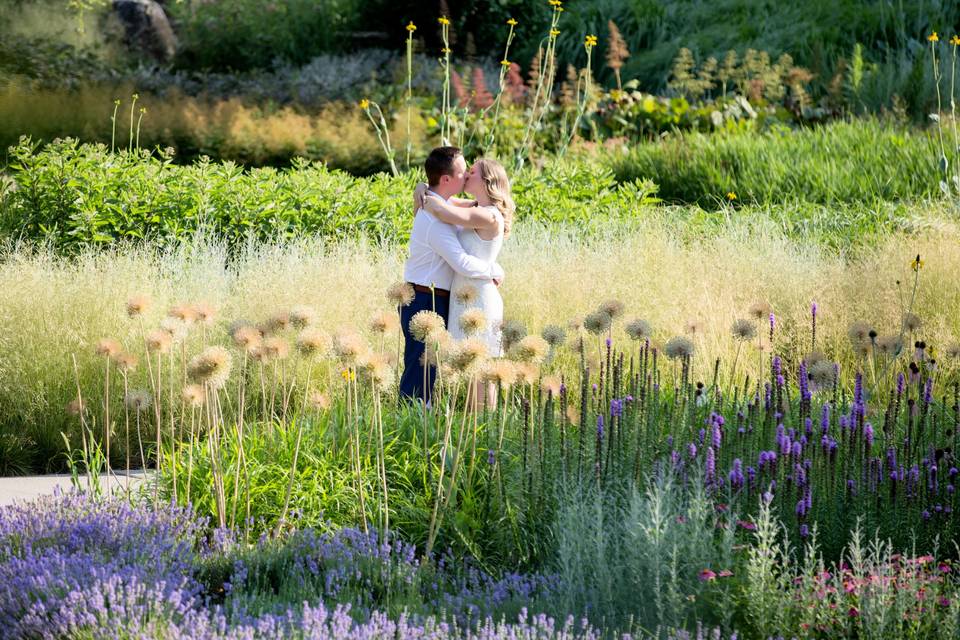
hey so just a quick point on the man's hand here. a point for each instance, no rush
(419, 193)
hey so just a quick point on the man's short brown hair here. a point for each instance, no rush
(440, 163)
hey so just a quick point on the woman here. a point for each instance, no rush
(484, 223)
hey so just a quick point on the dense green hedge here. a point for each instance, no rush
(861, 161)
(75, 195)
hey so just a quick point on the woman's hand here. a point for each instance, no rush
(431, 203)
(419, 192)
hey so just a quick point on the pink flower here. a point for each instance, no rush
(852, 612)
(944, 602)
(944, 567)
(725, 573)
(706, 575)
(749, 526)
(849, 586)
(681, 519)
(721, 507)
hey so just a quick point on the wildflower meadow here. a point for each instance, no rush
(724, 398)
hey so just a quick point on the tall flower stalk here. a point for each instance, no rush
(502, 84)
(445, 124)
(410, 29)
(383, 131)
(544, 88)
(584, 88)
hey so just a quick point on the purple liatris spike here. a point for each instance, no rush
(609, 342)
(692, 450)
(868, 434)
(776, 365)
(804, 531)
(928, 391)
(858, 389)
(491, 457)
(711, 466)
(717, 436)
(825, 418)
(901, 381)
(600, 427)
(773, 323)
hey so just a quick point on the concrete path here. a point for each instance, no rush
(23, 488)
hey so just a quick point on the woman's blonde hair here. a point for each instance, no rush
(498, 189)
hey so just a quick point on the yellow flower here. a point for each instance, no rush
(348, 375)
(555, 3)
(917, 263)
(731, 196)
(616, 95)
(554, 32)
(933, 37)
(590, 41)
(512, 22)
(505, 63)
(431, 121)
(445, 50)
(411, 27)
(955, 41)
(364, 104)
(444, 20)
(558, 9)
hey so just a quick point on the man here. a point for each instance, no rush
(435, 253)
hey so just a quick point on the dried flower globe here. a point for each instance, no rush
(376, 371)
(158, 341)
(276, 323)
(554, 335)
(440, 344)
(638, 329)
(138, 305)
(211, 367)
(813, 358)
(466, 295)
(182, 312)
(890, 345)
(204, 313)
(176, 329)
(423, 323)
(400, 294)
(275, 347)
(530, 349)
(575, 323)
(314, 342)
(138, 400)
(859, 334)
(953, 350)
(527, 373)
(76, 406)
(126, 362)
(384, 323)
(760, 310)
(597, 322)
(247, 337)
(613, 308)
(822, 375)
(551, 385)
(302, 316)
(318, 401)
(511, 332)
(911, 322)
(502, 373)
(473, 321)
(679, 347)
(349, 347)
(193, 396)
(108, 348)
(743, 330)
(468, 356)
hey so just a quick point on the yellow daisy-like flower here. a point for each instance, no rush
(554, 32)
(446, 50)
(348, 375)
(512, 22)
(555, 3)
(444, 20)
(731, 196)
(955, 41)
(590, 41)
(558, 9)
(411, 27)
(505, 63)
(933, 37)
(364, 104)
(917, 263)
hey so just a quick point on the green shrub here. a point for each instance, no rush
(862, 161)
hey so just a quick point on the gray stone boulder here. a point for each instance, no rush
(147, 28)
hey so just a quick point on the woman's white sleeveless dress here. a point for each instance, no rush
(488, 295)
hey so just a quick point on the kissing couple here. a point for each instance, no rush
(453, 247)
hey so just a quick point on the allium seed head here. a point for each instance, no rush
(612, 308)
(314, 342)
(204, 313)
(318, 401)
(813, 358)
(911, 322)
(275, 347)
(400, 294)
(500, 372)
(527, 373)
(822, 374)
(375, 370)
(743, 330)
(530, 349)
(551, 385)
(302, 316)
(138, 400)
(511, 332)
(182, 312)
(597, 322)
(212, 367)
(889, 345)
(554, 335)
(158, 341)
(126, 362)
(953, 350)
(138, 305)
(760, 310)
(424, 323)
(575, 323)
(193, 396)
(247, 337)
(679, 347)
(279, 321)
(384, 322)
(638, 329)
(176, 329)
(108, 348)
(75, 407)
(440, 344)
(468, 355)
(349, 347)
(573, 416)
(466, 295)
(473, 321)
(859, 334)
